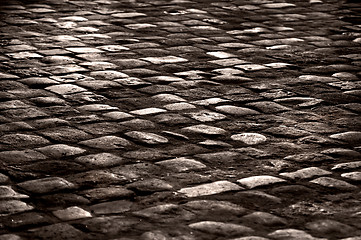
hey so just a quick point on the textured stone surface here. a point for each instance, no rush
(46, 185)
(249, 138)
(306, 173)
(13, 206)
(100, 160)
(210, 189)
(182, 119)
(182, 164)
(220, 228)
(334, 183)
(259, 181)
(145, 137)
(71, 213)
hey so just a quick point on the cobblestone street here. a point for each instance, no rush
(180, 119)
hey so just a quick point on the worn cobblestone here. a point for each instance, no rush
(183, 119)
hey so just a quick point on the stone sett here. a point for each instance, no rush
(180, 119)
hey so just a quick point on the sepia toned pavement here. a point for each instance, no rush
(180, 119)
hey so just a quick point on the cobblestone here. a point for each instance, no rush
(135, 119)
(209, 189)
(257, 181)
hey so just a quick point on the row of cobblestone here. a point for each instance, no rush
(179, 119)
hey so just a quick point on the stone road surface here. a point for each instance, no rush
(180, 119)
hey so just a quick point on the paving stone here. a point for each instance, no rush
(228, 71)
(109, 225)
(108, 74)
(166, 59)
(148, 138)
(117, 115)
(97, 107)
(71, 213)
(285, 131)
(206, 116)
(147, 154)
(83, 49)
(221, 228)
(268, 107)
(107, 142)
(327, 226)
(138, 124)
(64, 89)
(59, 60)
(334, 184)
(98, 84)
(38, 81)
(101, 128)
(341, 152)
(210, 101)
(10, 237)
(65, 69)
(8, 76)
(168, 98)
(278, 5)
(259, 181)
(258, 198)
(154, 235)
(60, 150)
(128, 15)
(97, 177)
(150, 185)
(66, 134)
(24, 55)
(46, 185)
(100, 160)
(222, 157)
(6, 192)
(119, 206)
(169, 211)
(251, 67)
(283, 64)
(147, 111)
(351, 137)
(22, 140)
(264, 218)
(353, 176)
(309, 158)
(221, 54)
(179, 106)
(14, 206)
(3, 178)
(156, 89)
(291, 233)
(212, 143)
(210, 189)
(250, 238)
(99, 66)
(181, 164)
(164, 79)
(25, 113)
(58, 231)
(215, 207)
(13, 104)
(305, 173)
(21, 156)
(237, 111)
(249, 138)
(347, 165)
(345, 76)
(107, 193)
(205, 129)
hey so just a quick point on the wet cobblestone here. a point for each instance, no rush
(180, 119)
